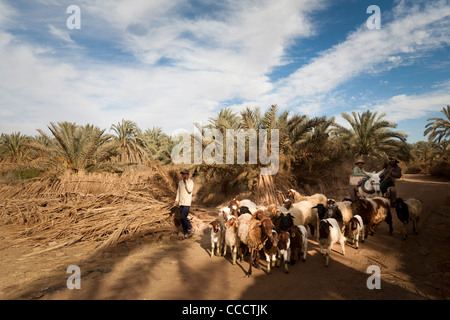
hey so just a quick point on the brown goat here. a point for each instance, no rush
(260, 215)
(271, 250)
(298, 243)
(373, 212)
(234, 207)
(259, 232)
(284, 249)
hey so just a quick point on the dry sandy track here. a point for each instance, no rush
(418, 268)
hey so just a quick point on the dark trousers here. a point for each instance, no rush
(185, 223)
(385, 184)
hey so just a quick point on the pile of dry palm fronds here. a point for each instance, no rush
(90, 207)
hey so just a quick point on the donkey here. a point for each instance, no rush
(371, 188)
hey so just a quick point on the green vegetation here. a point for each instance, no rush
(313, 151)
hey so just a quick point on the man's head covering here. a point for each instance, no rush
(393, 159)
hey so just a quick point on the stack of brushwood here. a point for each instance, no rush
(102, 208)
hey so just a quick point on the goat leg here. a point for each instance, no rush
(327, 256)
(388, 220)
(257, 260)
(249, 272)
(234, 254)
(269, 262)
(405, 230)
(415, 227)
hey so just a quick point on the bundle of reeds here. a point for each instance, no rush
(100, 207)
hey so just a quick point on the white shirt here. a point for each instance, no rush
(184, 192)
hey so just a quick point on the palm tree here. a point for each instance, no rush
(250, 118)
(130, 142)
(75, 147)
(226, 119)
(370, 135)
(14, 147)
(158, 144)
(439, 128)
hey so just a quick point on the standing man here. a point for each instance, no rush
(184, 199)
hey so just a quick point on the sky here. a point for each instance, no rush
(170, 63)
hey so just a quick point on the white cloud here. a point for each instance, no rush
(6, 13)
(224, 55)
(404, 107)
(60, 34)
(214, 59)
(415, 31)
(401, 108)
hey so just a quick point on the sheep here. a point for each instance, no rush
(329, 234)
(243, 232)
(344, 207)
(243, 209)
(254, 233)
(246, 205)
(271, 251)
(231, 238)
(356, 229)
(284, 222)
(322, 211)
(303, 214)
(284, 249)
(315, 198)
(299, 242)
(410, 209)
(333, 211)
(215, 237)
(223, 216)
(274, 212)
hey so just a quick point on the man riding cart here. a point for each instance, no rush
(375, 184)
(391, 172)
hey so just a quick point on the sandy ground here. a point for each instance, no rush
(166, 268)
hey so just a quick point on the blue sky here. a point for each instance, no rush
(170, 63)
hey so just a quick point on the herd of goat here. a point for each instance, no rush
(281, 232)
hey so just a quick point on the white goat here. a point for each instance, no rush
(304, 247)
(329, 234)
(222, 217)
(295, 196)
(356, 229)
(231, 238)
(215, 237)
(344, 207)
(304, 214)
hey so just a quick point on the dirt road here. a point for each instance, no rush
(418, 268)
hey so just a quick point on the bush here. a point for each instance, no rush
(18, 175)
(441, 169)
(414, 168)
